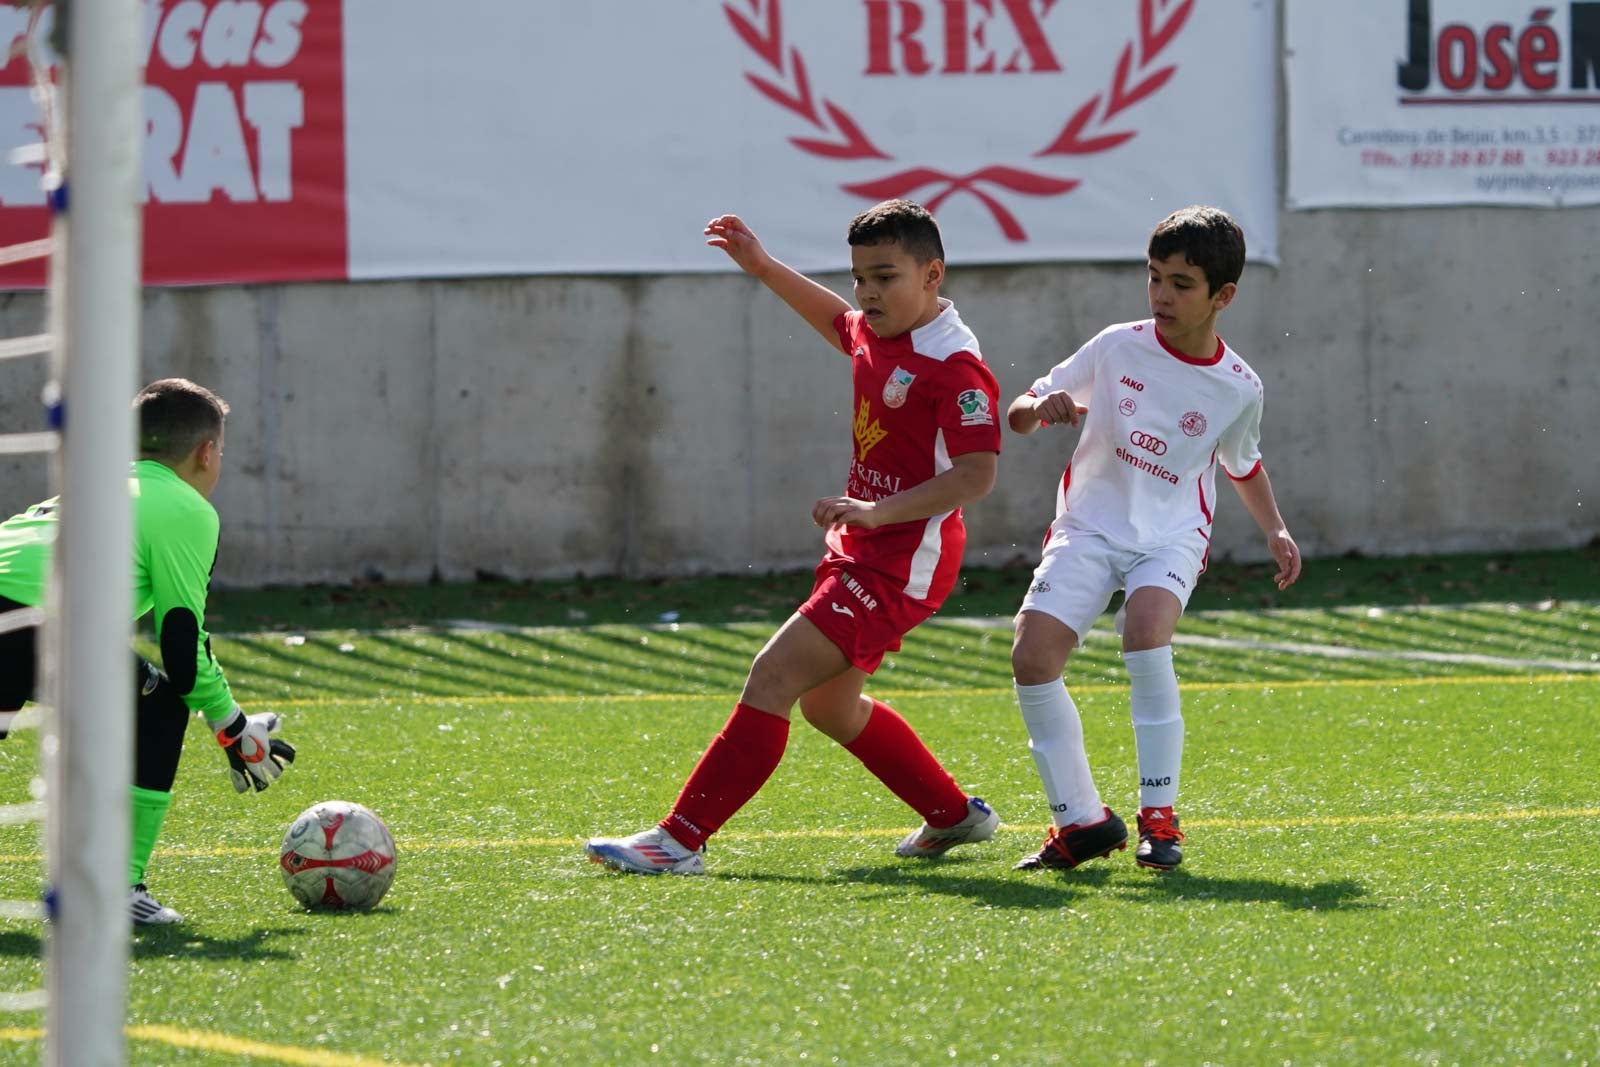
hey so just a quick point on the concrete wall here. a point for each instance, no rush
(1432, 382)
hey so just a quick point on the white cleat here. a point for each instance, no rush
(146, 910)
(653, 851)
(979, 825)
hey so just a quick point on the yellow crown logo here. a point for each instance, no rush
(868, 434)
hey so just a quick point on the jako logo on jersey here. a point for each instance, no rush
(868, 434)
(1137, 387)
(1127, 407)
(1149, 442)
(1193, 423)
(974, 405)
(1180, 581)
(896, 388)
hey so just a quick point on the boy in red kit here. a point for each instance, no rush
(927, 438)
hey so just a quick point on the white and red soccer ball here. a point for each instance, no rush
(337, 855)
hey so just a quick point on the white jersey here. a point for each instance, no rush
(1144, 472)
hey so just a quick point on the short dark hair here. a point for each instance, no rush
(1208, 238)
(175, 416)
(903, 222)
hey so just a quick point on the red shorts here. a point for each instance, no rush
(863, 613)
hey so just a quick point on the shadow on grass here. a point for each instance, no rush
(943, 877)
(20, 943)
(1344, 894)
(1040, 890)
(155, 941)
(152, 941)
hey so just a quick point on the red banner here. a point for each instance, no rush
(244, 149)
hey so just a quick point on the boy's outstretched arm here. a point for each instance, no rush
(1256, 492)
(815, 303)
(970, 477)
(1028, 412)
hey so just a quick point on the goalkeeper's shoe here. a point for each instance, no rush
(1160, 840)
(653, 851)
(146, 910)
(979, 825)
(1068, 846)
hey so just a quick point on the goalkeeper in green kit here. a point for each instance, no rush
(175, 546)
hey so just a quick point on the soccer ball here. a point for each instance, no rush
(337, 855)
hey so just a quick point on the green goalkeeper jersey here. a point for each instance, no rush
(175, 533)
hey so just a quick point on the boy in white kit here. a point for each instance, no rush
(1162, 403)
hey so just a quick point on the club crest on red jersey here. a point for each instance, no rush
(896, 388)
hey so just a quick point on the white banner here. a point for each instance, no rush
(1396, 102)
(599, 135)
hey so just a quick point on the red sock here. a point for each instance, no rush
(891, 749)
(734, 768)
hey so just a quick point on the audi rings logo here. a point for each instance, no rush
(1149, 442)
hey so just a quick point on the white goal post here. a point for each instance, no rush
(94, 315)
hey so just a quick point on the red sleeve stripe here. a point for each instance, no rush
(1243, 477)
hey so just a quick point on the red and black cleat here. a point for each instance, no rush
(1068, 846)
(1159, 840)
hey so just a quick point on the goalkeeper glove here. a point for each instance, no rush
(254, 758)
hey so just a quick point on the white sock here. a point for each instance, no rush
(1055, 737)
(1157, 724)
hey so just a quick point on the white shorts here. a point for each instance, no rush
(1080, 571)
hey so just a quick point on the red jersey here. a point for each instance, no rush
(920, 399)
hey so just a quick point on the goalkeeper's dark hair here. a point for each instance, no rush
(1208, 238)
(903, 222)
(175, 416)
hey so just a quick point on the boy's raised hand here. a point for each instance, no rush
(729, 233)
(1059, 408)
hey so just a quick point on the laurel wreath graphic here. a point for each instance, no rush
(1086, 132)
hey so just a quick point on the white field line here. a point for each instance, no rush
(1346, 652)
(1269, 824)
(1343, 652)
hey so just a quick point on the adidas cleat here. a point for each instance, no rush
(1160, 840)
(146, 910)
(653, 851)
(1068, 846)
(979, 825)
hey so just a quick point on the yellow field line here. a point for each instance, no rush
(896, 694)
(1201, 822)
(206, 1041)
